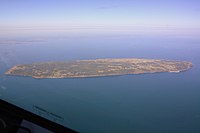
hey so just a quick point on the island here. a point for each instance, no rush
(98, 67)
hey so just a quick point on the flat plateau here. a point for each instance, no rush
(98, 67)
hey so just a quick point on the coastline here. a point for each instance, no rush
(97, 68)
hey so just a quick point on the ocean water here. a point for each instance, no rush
(145, 103)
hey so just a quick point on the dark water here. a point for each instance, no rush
(146, 103)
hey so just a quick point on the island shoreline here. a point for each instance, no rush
(98, 68)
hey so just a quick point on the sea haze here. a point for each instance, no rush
(145, 103)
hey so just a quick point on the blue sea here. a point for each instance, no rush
(145, 103)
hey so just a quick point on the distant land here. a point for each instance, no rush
(16, 42)
(98, 67)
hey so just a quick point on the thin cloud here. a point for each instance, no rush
(108, 7)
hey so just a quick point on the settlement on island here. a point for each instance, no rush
(98, 67)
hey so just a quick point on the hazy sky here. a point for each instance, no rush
(103, 13)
